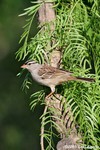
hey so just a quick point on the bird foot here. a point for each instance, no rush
(49, 95)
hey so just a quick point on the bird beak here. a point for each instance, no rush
(24, 66)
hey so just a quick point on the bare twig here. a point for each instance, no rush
(42, 128)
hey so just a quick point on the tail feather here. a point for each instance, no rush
(86, 79)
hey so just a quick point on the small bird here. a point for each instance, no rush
(50, 76)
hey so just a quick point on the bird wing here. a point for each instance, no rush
(47, 72)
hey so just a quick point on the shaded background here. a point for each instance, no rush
(19, 127)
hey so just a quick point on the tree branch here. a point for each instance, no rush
(63, 118)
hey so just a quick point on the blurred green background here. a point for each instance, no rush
(19, 127)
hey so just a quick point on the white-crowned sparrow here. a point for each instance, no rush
(50, 76)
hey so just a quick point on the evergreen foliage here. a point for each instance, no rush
(77, 34)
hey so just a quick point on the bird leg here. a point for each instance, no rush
(51, 93)
(52, 87)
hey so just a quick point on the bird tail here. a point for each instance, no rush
(85, 79)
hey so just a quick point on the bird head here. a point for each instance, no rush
(30, 65)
